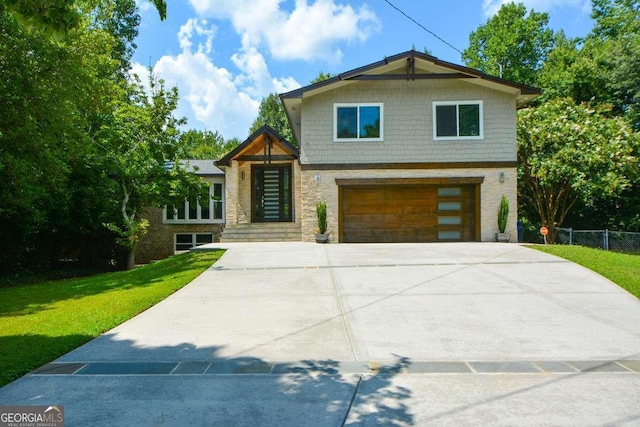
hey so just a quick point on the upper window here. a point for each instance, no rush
(457, 120)
(203, 212)
(357, 122)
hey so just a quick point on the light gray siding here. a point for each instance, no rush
(408, 124)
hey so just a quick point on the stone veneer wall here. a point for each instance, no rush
(159, 241)
(239, 189)
(491, 191)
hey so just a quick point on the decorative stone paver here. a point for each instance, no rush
(504, 367)
(339, 368)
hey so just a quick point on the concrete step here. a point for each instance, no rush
(263, 232)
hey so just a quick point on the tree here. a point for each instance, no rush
(512, 44)
(141, 145)
(322, 76)
(56, 18)
(64, 90)
(49, 94)
(608, 67)
(570, 153)
(615, 18)
(603, 68)
(272, 113)
(557, 75)
(205, 144)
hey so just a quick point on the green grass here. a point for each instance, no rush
(43, 321)
(622, 269)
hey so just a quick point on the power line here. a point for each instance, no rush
(423, 27)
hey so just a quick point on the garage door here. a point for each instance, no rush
(408, 213)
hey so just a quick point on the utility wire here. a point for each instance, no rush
(423, 27)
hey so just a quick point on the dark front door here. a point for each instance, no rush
(271, 193)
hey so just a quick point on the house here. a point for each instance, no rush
(407, 149)
(175, 229)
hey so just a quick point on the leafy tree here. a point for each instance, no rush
(56, 18)
(425, 50)
(205, 144)
(322, 76)
(512, 44)
(615, 18)
(141, 146)
(608, 67)
(568, 154)
(48, 95)
(272, 113)
(557, 77)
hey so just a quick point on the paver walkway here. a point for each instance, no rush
(405, 334)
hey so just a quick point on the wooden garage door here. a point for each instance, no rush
(408, 213)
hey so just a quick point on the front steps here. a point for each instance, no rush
(262, 232)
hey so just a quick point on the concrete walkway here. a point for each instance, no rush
(281, 334)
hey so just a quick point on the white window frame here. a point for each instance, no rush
(199, 220)
(193, 241)
(457, 104)
(357, 105)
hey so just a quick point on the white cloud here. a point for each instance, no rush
(197, 27)
(211, 96)
(310, 31)
(490, 7)
(144, 5)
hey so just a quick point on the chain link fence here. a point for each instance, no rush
(604, 239)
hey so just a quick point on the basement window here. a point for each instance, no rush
(186, 241)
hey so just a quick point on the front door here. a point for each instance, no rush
(271, 193)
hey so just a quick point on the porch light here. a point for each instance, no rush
(317, 177)
(242, 175)
(501, 176)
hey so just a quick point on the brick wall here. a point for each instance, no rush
(159, 241)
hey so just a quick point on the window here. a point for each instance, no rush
(457, 120)
(186, 241)
(194, 212)
(357, 122)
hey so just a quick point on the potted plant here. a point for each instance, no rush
(321, 213)
(503, 215)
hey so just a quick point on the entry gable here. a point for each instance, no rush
(265, 144)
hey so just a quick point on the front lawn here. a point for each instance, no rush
(41, 322)
(622, 269)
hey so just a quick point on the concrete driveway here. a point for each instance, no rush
(281, 334)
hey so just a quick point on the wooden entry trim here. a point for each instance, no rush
(410, 181)
(272, 158)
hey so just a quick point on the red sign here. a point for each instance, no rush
(544, 231)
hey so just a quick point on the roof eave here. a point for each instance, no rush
(226, 160)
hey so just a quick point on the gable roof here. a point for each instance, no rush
(256, 143)
(414, 66)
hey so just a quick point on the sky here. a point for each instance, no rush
(225, 56)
